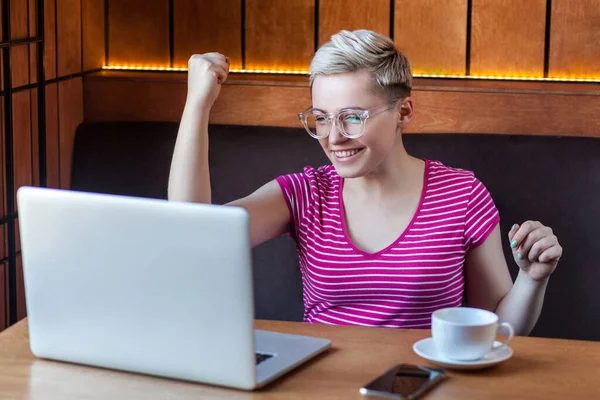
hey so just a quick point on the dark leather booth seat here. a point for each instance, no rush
(555, 180)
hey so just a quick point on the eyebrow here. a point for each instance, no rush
(343, 109)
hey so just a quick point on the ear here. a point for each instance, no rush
(404, 110)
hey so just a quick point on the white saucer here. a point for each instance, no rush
(426, 349)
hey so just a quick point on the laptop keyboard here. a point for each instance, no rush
(260, 357)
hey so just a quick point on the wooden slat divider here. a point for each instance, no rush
(508, 37)
(432, 34)
(49, 39)
(138, 32)
(93, 34)
(335, 15)
(19, 65)
(279, 34)
(19, 19)
(52, 137)
(68, 22)
(575, 39)
(207, 26)
(21, 113)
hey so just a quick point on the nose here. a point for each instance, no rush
(335, 136)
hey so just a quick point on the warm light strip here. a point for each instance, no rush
(304, 72)
(507, 78)
(268, 71)
(142, 68)
(233, 70)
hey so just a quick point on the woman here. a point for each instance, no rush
(384, 239)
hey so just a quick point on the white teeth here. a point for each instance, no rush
(345, 153)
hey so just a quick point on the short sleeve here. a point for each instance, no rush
(296, 190)
(482, 216)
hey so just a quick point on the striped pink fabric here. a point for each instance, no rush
(403, 284)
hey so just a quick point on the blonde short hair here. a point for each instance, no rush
(365, 50)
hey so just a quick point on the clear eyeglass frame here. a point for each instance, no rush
(344, 120)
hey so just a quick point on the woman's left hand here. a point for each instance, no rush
(535, 248)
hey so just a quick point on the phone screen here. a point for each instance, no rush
(404, 381)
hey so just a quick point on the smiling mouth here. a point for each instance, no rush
(345, 153)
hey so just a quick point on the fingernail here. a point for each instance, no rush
(513, 244)
(519, 256)
(513, 227)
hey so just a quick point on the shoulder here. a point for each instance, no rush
(437, 168)
(324, 173)
(454, 181)
(441, 175)
(322, 177)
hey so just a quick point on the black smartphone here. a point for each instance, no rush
(404, 381)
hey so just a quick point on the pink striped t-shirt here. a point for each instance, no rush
(403, 284)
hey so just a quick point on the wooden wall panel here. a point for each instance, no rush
(19, 19)
(335, 15)
(164, 101)
(19, 29)
(3, 241)
(158, 101)
(270, 105)
(68, 22)
(575, 39)
(205, 26)
(3, 280)
(19, 274)
(432, 34)
(49, 39)
(3, 297)
(138, 32)
(32, 18)
(23, 174)
(21, 305)
(3, 210)
(93, 34)
(508, 37)
(19, 65)
(279, 34)
(4, 238)
(52, 137)
(70, 115)
(527, 108)
(35, 143)
(19, 61)
(17, 235)
(33, 63)
(525, 113)
(33, 47)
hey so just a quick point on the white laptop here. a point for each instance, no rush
(149, 286)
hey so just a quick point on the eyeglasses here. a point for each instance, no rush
(350, 122)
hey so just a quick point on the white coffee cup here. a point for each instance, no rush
(464, 334)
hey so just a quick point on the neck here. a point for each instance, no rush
(400, 174)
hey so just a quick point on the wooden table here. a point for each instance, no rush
(539, 369)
